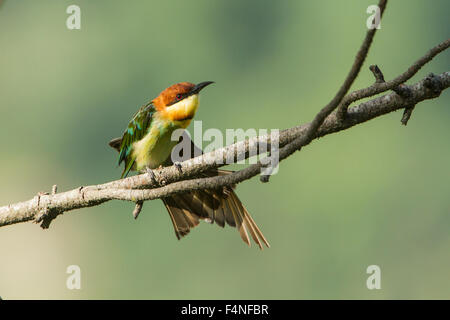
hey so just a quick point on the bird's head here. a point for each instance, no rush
(179, 102)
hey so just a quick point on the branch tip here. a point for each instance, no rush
(407, 115)
(137, 208)
(379, 77)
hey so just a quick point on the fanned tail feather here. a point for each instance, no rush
(186, 210)
(220, 206)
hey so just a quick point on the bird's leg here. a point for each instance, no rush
(152, 174)
(161, 181)
(178, 166)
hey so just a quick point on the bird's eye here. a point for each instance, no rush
(178, 96)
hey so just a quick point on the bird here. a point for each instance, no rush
(146, 144)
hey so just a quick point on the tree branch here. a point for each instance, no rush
(45, 207)
(181, 178)
(305, 139)
(379, 87)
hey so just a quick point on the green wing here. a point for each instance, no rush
(136, 130)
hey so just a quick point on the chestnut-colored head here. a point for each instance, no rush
(179, 102)
(177, 92)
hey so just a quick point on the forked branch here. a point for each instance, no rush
(335, 116)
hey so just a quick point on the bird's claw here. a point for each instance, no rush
(154, 178)
(152, 174)
(178, 166)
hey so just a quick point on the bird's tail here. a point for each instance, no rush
(219, 206)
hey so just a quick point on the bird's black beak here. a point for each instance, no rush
(200, 86)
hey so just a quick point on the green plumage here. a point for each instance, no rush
(136, 130)
(147, 144)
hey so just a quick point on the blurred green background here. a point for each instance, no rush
(375, 194)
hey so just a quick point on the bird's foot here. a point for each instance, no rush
(152, 174)
(178, 166)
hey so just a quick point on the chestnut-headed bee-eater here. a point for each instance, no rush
(146, 144)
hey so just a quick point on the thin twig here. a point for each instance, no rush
(137, 208)
(402, 90)
(379, 77)
(321, 116)
(377, 88)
